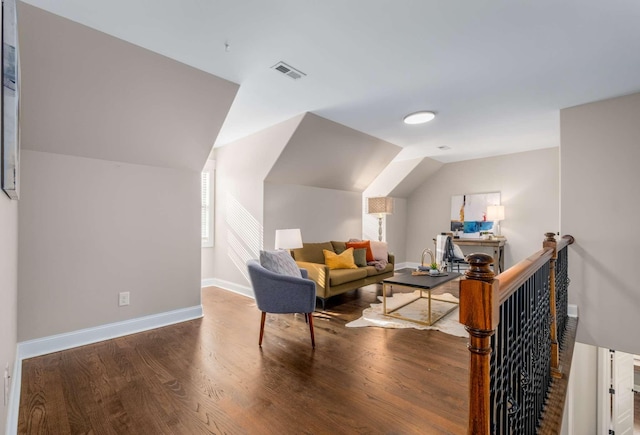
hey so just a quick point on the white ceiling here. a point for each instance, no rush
(496, 72)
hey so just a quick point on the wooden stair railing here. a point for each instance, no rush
(515, 322)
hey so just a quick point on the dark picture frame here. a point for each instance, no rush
(10, 151)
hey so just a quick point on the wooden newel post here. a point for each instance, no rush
(480, 313)
(550, 242)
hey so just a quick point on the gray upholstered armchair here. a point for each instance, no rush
(277, 293)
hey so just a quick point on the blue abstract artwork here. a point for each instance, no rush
(469, 213)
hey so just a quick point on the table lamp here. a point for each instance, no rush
(288, 239)
(495, 213)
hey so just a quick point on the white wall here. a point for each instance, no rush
(528, 183)
(600, 179)
(321, 214)
(92, 228)
(8, 288)
(583, 407)
(241, 168)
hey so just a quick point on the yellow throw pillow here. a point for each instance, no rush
(341, 261)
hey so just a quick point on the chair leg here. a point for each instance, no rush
(313, 338)
(264, 315)
(306, 317)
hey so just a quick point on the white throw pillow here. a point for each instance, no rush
(281, 262)
(380, 250)
(457, 251)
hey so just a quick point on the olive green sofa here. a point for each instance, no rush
(334, 282)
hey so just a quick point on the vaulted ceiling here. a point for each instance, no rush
(496, 73)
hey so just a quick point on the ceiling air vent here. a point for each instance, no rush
(288, 70)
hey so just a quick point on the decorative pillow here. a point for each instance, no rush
(380, 250)
(338, 247)
(362, 244)
(281, 262)
(360, 257)
(311, 252)
(339, 261)
(457, 251)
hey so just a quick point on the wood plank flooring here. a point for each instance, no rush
(210, 376)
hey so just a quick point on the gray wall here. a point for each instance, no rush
(91, 228)
(8, 288)
(114, 138)
(599, 160)
(321, 214)
(528, 183)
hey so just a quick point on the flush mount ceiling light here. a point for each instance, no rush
(419, 117)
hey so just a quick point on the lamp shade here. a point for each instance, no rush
(380, 205)
(495, 212)
(288, 239)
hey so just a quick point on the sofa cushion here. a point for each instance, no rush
(360, 257)
(362, 244)
(339, 247)
(281, 262)
(312, 252)
(379, 250)
(371, 271)
(339, 261)
(341, 276)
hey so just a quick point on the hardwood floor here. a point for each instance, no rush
(210, 376)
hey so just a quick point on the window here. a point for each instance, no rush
(206, 201)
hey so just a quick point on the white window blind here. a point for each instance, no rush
(206, 215)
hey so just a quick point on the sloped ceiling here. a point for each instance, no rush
(416, 177)
(88, 94)
(322, 153)
(402, 177)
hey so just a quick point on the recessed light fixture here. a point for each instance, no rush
(419, 117)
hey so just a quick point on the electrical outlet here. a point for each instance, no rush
(123, 299)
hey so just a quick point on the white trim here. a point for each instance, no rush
(603, 398)
(207, 282)
(13, 407)
(572, 310)
(209, 170)
(55, 343)
(407, 265)
(230, 286)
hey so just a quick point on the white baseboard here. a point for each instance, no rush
(230, 286)
(572, 310)
(13, 407)
(55, 343)
(406, 265)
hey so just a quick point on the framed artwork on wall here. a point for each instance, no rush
(10, 150)
(469, 213)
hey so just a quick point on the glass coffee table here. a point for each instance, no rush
(424, 283)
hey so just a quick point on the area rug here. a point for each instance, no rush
(416, 310)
